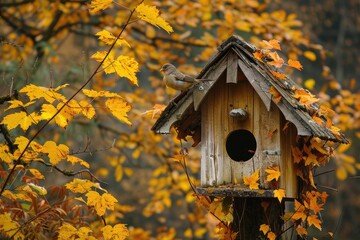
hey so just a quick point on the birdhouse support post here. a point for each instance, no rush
(250, 213)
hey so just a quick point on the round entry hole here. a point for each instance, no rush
(240, 145)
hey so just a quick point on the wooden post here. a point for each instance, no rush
(250, 213)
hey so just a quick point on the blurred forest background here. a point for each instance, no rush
(49, 43)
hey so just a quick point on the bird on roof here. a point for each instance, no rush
(177, 80)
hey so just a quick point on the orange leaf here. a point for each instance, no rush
(277, 61)
(271, 236)
(258, 54)
(299, 211)
(301, 231)
(264, 228)
(295, 64)
(278, 75)
(276, 95)
(313, 220)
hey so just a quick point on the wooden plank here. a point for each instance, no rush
(232, 68)
(200, 91)
(288, 176)
(267, 133)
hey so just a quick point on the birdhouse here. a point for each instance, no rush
(240, 124)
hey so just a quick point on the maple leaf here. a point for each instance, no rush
(277, 61)
(252, 180)
(313, 220)
(55, 153)
(278, 75)
(304, 97)
(296, 154)
(301, 231)
(295, 64)
(299, 211)
(21, 119)
(273, 173)
(108, 38)
(272, 44)
(258, 54)
(311, 159)
(264, 228)
(80, 185)
(119, 232)
(279, 194)
(100, 202)
(98, 5)
(275, 94)
(150, 14)
(119, 108)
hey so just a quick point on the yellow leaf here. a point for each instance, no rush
(55, 153)
(199, 233)
(67, 231)
(18, 103)
(150, 14)
(310, 55)
(5, 154)
(278, 75)
(119, 173)
(80, 185)
(309, 84)
(252, 180)
(119, 108)
(36, 173)
(108, 38)
(98, 5)
(20, 118)
(313, 220)
(295, 64)
(299, 211)
(127, 67)
(118, 232)
(279, 194)
(95, 94)
(49, 94)
(100, 202)
(341, 173)
(75, 160)
(264, 228)
(63, 118)
(273, 173)
(8, 227)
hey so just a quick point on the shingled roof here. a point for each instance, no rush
(234, 54)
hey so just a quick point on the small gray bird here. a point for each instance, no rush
(177, 80)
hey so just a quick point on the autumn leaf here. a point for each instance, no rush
(40, 190)
(108, 38)
(75, 160)
(119, 108)
(309, 84)
(80, 185)
(279, 194)
(272, 44)
(98, 5)
(275, 94)
(150, 14)
(258, 54)
(277, 61)
(278, 75)
(271, 236)
(36, 173)
(156, 111)
(264, 228)
(5, 154)
(49, 94)
(118, 232)
(295, 64)
(55, 152)
(67, 231)
(87, 109)
(95, 94)
(314, 220)
(252, 180)
(299, 211)
(301, 231)
(9, 227)
(21, 119)
(17, 103)
(100, 202)
(310, 55)
(273, 173)
(305, 97)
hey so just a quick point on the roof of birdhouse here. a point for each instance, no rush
(233, 55)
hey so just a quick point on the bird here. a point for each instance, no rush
(177, 80)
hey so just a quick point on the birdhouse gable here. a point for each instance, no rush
(235, 62)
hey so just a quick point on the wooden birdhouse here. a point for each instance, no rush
(241, 125)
